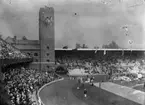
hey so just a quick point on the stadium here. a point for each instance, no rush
(118, 74)
(117, 70)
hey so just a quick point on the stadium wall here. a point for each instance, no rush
(97, 77)
(101, 77)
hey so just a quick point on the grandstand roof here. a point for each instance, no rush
(29, 42)
(21, 41)
(69, 49)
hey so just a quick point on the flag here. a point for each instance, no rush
(104, 52)
(95, 51)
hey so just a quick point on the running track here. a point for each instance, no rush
(65, 93)
(60, 93)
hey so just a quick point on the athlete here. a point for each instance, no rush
(79, 82)
(82, 81)
(85, 92)
(91, 81)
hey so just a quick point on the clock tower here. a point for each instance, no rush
(46, 37)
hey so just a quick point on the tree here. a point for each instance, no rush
(112, 45)
(24, 38)
(84, 46)
(96, 47)
(65, 47)
(105, 46)
(78, 45)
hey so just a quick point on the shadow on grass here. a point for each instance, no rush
(128, 84)
(141, 88)
(97, 96)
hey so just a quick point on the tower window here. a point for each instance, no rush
(47, 47)
(47, 54)
(48, 60)
(35, 54)
(47, 66)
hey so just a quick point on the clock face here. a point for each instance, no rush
(48, 20)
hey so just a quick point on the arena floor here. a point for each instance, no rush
(65, 93)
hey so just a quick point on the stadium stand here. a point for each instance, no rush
(120, 65)
(11, 55)
(18, 83)
(21, 83)
(10, 52)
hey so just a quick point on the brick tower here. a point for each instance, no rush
(46, 37)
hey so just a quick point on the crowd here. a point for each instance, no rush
(7, 51)
(119, 67)
(21, 83)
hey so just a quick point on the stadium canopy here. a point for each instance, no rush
(69, 49)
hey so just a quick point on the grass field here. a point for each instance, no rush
(138, 85)
(65, 93)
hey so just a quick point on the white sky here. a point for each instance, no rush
(95, 24)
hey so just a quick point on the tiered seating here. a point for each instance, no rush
(127, 67)
(9, 52)
(21, 83)
(11, 55)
